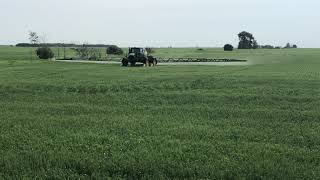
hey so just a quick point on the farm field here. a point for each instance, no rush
(93, 121)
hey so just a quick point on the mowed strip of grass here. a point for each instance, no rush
(61, 120)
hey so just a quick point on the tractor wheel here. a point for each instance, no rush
(125, 62)
(156, 61)
(153, 60)
(132, 61)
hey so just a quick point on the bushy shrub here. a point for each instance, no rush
(114, 50)
(228, 47)
(44, 53)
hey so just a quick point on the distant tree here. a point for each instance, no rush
(228, 47)
(34, 38)
(288, 45)
(113, 49)
(44, 53)
(255, 44)
(247, 41)
(267, 47)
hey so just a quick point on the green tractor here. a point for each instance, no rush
(138, 55)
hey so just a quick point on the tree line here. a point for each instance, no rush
(248, 41)
(60, 45)
(84, 51)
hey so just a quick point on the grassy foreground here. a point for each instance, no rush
(60, 120)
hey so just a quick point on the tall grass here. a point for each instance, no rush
(60, 120)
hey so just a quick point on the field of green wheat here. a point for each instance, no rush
(94, 121)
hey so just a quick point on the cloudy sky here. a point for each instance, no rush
(207, 23)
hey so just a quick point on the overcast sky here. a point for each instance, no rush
(206, 23)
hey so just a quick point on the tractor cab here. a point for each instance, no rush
(136, 51)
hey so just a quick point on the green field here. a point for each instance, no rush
(91, 121)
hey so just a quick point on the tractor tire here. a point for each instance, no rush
(153, 60)
(125, 62)
(132, 61)
(156, 61)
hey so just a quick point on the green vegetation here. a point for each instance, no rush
(113, 49)
(247, 41)
(72, 120)
(228, 47)
(44, 53)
